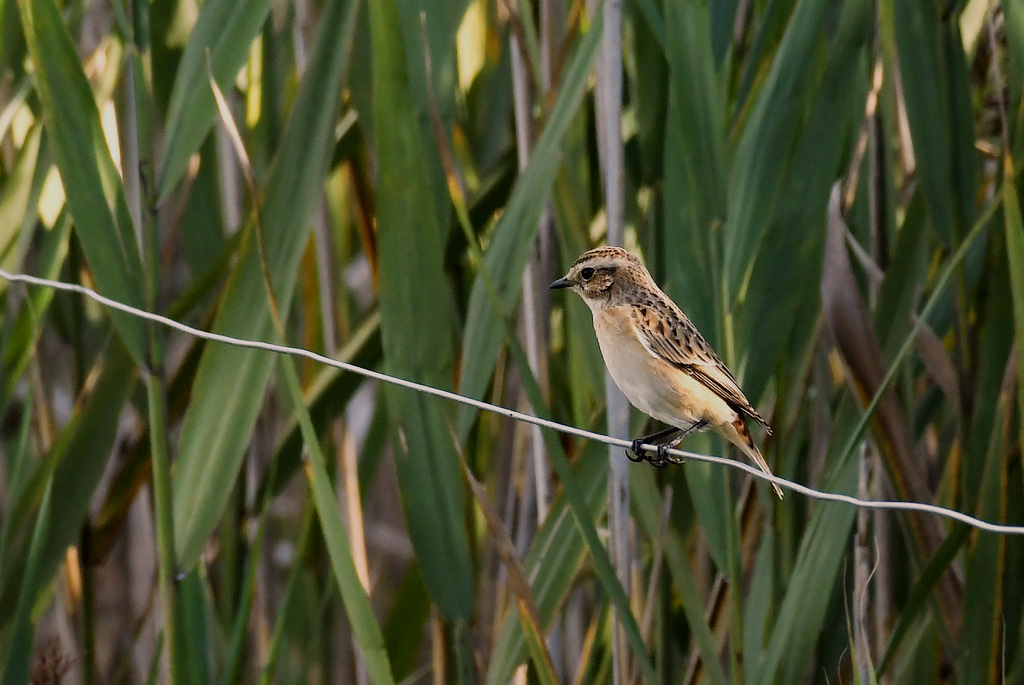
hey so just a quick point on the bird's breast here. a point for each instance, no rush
(651, 384)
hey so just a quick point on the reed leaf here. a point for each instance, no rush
(95, 195)
(221, 37)
(417, 340)
(220, 416)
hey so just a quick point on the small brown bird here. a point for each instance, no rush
(657, 357)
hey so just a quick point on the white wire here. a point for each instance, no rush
(894, 505)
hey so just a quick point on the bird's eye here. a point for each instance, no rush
(587, 273)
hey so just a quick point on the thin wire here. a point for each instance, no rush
(892, 505)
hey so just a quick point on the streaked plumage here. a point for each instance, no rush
(656, 355)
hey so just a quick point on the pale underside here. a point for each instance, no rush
(650, 382)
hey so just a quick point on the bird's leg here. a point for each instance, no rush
(637, 447)
(663, 458)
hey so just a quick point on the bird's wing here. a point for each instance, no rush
(670, 335)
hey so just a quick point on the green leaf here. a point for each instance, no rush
(20, 191)
(202, 226)
(326, 396)
(933, 75)
(12, 40)
(767, 144)
(20, 651)
(437, 21)
(20, 333)
(801, 613)
(403, 630)
(512, 243)
(538, 650)
(228, 389)
(983, 611)
(789, 256)
(759, 602)
(77, 461)
(710, 492)
(647, 505)
(695, 167)
(553, 560)
(1015, 252)
(223, 33)
(417, 339)
(357, 604)
(92, 185)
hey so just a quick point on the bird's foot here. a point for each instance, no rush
(664, 458)
(636, 452)
(639, 454)
(661, 457)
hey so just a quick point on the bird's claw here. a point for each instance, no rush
(636, 452)
(664, 459)
(659, 459)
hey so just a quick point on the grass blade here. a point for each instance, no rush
(18, 344)
(19, 193)
(647, 503)
(767, 142)
(417, 340)
(553, 559)
(801, 613)
(95, 195)
(929, 62)
(984, 568)
(220, 417)
(20, 652)
(514, 235)
(357, 604)
(223, 32)
(76, 460)
(1014, 225)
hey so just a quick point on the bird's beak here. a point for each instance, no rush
(561, 283)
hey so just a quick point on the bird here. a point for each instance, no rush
(658, 358)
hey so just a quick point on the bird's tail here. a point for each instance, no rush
(738, 434)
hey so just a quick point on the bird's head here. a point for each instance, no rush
(603, 275)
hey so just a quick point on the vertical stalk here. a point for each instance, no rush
(522, 103)
(139, 176)
(732, 512)
(875, 485)
(734, 583)
(164, 523)
(862, 573)
(609, 115)
(87, 612)
(535, 335)
(534, 307)
(535, 304)
(349, 496)
(536, 299)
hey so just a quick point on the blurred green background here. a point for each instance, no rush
(394, 183)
